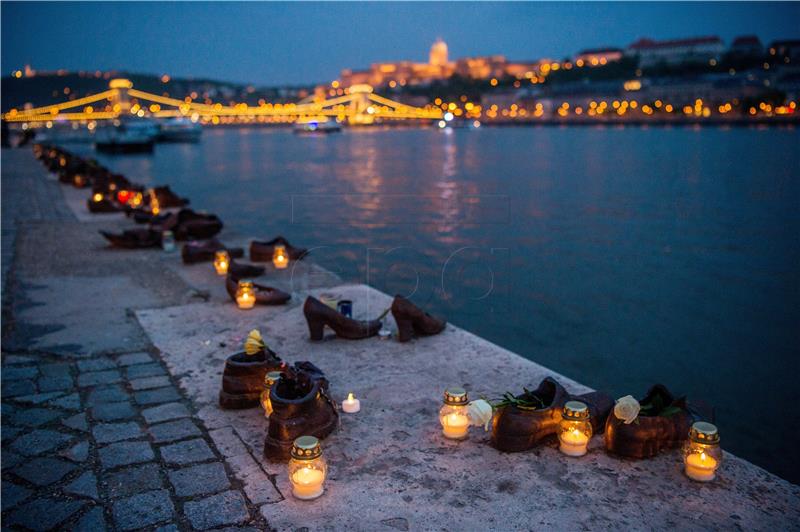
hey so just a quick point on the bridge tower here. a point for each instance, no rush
(360, 109)
(120, 101)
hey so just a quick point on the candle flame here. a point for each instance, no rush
(350, 396)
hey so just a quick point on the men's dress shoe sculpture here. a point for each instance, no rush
(167, 199)
(243, 375)
(265, 295)
(262, 251)
(318, 315)
(134, 238)
(411, 320)
(103, 205)
(662, 423)
(196, 251)
(301, 405)
(535, 415)
(187, 224)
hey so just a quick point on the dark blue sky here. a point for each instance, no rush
(280, 43)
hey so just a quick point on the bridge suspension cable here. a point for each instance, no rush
(357, 107)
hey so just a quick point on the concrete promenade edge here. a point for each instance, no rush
(111, 367)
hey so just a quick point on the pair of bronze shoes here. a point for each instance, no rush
(196, 251)
(265, 295)
(536, 415)
(262, 251)
(301, 403)
(663, 423)
(410, 319)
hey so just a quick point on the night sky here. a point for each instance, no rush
(281, 43)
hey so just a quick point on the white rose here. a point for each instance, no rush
(627, 409)
(480, 413)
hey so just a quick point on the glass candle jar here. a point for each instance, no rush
(245, 294)
(279, 257)
(269, 380)
(574, 429)
(453, 415)
(221, 262)
(307, 468)
(97, 197)
(702, 454)
(168, 241)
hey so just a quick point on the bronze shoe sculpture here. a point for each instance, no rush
(196, 251)
(134, 238)
(318, 315)
(187, 224)
(261, 251)
(265, 295)
(526, 420)
(167, 198)
(412, 320)
(101, 205)
(243, 376)
(241, 270)
(301, 406)
(662, 423)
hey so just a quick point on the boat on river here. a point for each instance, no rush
(179, 130)
(127, 136)
(317, 124)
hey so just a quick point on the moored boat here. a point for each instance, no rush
(180, 130)
(128, 136)
(317, 124)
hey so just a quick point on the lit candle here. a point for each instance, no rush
(307, 483)
(245, 295)
(221, 262)
(700, 466)
(307, 468)
(574, 429)
(455, 426)
(279, 257)
(573, 443)
(97, 198)
(701, 454)
(351, 405)
(453, 415)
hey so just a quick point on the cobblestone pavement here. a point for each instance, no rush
(96, 435)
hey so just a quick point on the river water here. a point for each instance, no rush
(620, 256)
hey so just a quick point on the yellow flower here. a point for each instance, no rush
(254, 343)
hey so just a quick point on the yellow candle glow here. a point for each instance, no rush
(574, 429)
(307, 468)
(307, 483)
(573, 443)
(280, 259)
(701, 454)
(245, 295)
(221, 262)
(351, 405)
(701, 467)
(455, 426)
(97, 197)
(453, 414)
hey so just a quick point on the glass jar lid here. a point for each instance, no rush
(704, 432)
(245, 283)
(575, 410)
(306, 448)
(455, 396)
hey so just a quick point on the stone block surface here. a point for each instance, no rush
(226, 508)
(392, 453)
